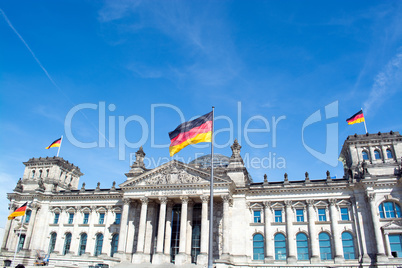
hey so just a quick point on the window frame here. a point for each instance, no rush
(324, 215)
(347, 214)
(52, 242)
(257, 218)
(98, 244)
(82, 246)
(67, 243)
(387, 214)
(365, 155)
(85, 219)
(278, 218)
(321, 246)
(377, 154)
(28, 214)
(389, 153)
(257, 246)
(346, 253)
(70, 218)
(114, 244)
(101, 218)
(280, 256)
(117, 219)
(301, 217)
(56, 218)
(306, 246)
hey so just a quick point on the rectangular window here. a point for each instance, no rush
(395, 242)
(322, 215)
(56, 218)
(101, 218)
(70, 218)
(21, 243)
(278, 215)
(257, 216)
(300, 215)
(345, 214)
(118, 218)
(86, 218)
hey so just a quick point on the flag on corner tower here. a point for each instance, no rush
(56, 143)
(356, 118)
(19, 211)
(192, 132)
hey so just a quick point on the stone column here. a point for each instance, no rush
(107, 240)
(181, 258)
(269, 242)
(132, 212)
(356, 215)
(289, 233)
(89, 249)
(387, 245)
(381, 257)
(202, 258)
(158, 258)
(168, 231)
(60, 234)
(138, 256)
(336, 237)
(315, 247)
(121, 248)
(6, 235)
(190, 208)
(226, 227)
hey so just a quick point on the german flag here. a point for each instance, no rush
(356, 118)
(192, 132)
(56, 143)
(19, 211)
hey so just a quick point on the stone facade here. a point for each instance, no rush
(162, 215)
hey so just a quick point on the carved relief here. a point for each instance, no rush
(171, 177)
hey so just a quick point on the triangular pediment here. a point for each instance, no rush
(397, 224)
(277, 205)
(173, 173)
(299, 204)
(321, 204)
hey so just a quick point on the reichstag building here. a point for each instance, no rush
(160, 215)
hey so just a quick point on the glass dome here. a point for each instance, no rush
(205, 161)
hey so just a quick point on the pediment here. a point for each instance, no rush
(397, 224)
(299, 204)
(256, 206)
(173, 173)
(343, 203)
(277, 205)
(321, 204)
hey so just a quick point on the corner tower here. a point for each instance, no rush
(49, 174)
(373, 155)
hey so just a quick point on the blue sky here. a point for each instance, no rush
(146, 60)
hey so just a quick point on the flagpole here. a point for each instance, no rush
(365, 127)
(18, 241)
(211, 197)
(61, 140)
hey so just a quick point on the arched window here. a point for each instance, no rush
(325, 246)
(40, 173)
(389, 154)
(280, 247)
(348, 246)
(67, 243)
(47, 173)
(377, 154)
(389, 210)
(114, 245)
(28, 216)
(83, 244)
(258, 247)
(302, 247)
(52, 242)
(33, 174)
(365, 155)
(98, 244)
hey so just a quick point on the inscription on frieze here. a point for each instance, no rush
(166, 177)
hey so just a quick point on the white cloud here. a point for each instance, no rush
(386, 83)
